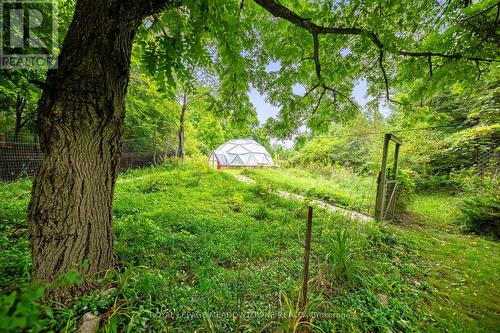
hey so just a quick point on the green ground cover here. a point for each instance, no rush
(464, 269)
(199, 250)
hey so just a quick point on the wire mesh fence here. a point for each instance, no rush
(21, 156)
(488, 159)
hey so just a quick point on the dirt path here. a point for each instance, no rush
(322, 204)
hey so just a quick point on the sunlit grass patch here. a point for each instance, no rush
(340, 188)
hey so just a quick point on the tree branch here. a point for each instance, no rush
(386, 80)
(479, 71)
(319, 101)
(335, 92)
(308, 92)
(317, 64)
(483, 11)
(278, 10)
(429, 60)
(457, 56)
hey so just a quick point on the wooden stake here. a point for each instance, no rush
(307, 253)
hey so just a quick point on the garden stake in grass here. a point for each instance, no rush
(307, 253)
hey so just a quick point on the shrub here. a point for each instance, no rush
(465, 180)
(262, 189)
(481, 208)
(235, 202)
(406, 188)
(434, 182)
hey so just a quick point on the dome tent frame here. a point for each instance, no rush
(240, 153)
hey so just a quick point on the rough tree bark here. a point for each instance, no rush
(81, 119)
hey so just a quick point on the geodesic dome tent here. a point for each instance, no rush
(240, 153)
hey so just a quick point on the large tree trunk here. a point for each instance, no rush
(81, 121)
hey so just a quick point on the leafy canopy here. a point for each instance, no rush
(406, 51)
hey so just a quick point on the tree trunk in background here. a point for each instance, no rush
(81, 123)
(20, 104)
(155, 162)
(180, 149)
(181, 144)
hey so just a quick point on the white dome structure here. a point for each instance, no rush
(240, 153)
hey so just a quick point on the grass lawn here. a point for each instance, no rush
(199, 250)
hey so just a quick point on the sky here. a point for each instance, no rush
(266, 110)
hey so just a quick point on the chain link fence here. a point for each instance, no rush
(20, 155)
(488, 159)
